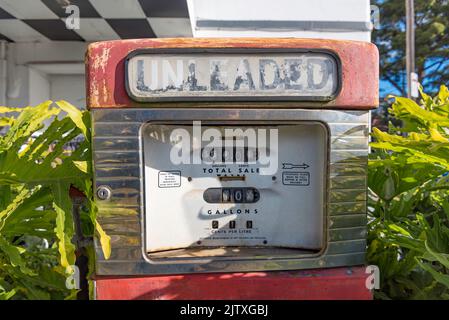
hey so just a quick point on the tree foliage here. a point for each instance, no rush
(432, 42)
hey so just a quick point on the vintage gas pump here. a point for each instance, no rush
(232, 168)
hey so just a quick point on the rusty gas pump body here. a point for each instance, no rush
(183, 231)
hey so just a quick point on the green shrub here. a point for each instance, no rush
(36, 223)
(409, 200)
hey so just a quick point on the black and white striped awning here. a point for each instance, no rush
(44, 20)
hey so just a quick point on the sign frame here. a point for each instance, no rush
(247, 98)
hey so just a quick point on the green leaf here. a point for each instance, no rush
(12, 252)
(105, 240)
(64, 224)
(442, 258)
(441, 278)
(8, 109)
(81, 165)
(7, 295)
(12, 207)
(397, 228)
(75, 114)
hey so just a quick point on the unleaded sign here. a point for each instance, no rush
(289, 76)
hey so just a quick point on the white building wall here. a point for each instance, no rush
(70, 88)
(18, 84)
(39, 87)
(324, 19)
(37, 72)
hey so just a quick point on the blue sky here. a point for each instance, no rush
(386, 88)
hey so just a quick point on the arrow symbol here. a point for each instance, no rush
(289, 166)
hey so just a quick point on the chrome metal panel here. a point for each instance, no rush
(118, 165)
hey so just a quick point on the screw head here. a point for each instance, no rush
(104, 193)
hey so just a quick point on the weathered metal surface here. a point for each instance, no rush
(105, 69)
(118, 162)
(324, 284)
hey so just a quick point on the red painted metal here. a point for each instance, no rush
(105, 70)
(323, 284)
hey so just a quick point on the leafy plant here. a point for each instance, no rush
(408, 200)
(36, 173)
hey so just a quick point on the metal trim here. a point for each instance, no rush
(296, 25)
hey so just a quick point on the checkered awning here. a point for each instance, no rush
(44, 20)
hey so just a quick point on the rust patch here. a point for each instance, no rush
(105, 91)
(360, 69)
(101, 61)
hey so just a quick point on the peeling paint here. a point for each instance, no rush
(359, 60)
(105, 91)
(102, 60)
